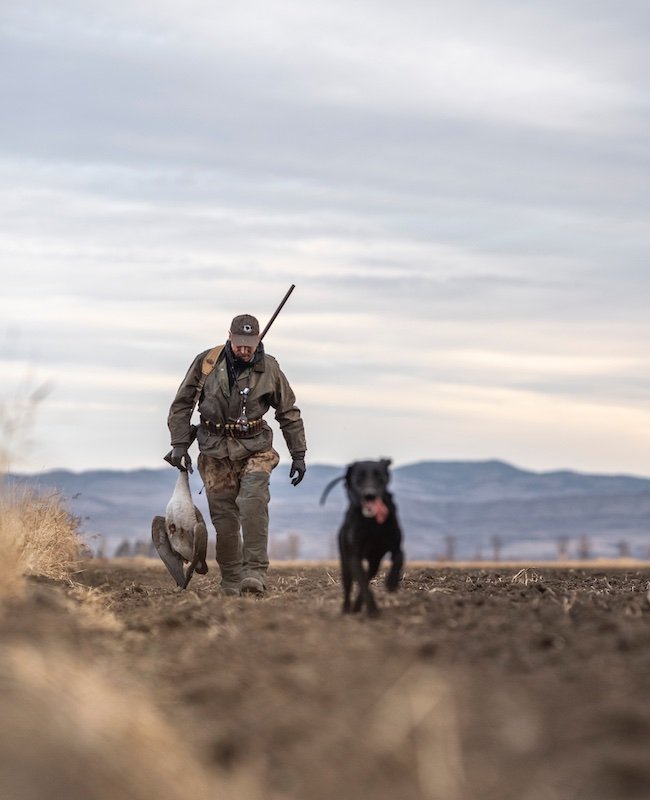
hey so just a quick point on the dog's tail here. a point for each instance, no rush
(329, 488)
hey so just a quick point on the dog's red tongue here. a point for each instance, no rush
(379, 510)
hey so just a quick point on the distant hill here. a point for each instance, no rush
(461, 509)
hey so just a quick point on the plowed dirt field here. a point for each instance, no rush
(481, 683)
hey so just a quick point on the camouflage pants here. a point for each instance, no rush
(238, 497)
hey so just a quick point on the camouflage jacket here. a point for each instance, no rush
(268, 387)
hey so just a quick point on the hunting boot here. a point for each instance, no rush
(253, 503)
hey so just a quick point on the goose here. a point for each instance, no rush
(181, 537)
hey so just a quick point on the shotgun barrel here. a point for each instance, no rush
(277, 311)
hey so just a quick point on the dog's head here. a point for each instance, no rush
(367, 483)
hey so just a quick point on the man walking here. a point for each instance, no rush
(236, 446)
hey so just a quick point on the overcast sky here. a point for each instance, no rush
(458, 191)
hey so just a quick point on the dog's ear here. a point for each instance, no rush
(386, 462)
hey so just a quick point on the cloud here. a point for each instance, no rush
(460, 193)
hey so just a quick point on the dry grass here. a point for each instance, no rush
(11, 576)
(526, 576)
(38, 536)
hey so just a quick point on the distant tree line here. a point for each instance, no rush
(583, 549)
(281, 548)
(288, 547)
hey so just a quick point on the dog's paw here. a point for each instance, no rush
(392, 580)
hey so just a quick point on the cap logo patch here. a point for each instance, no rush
(248, 329)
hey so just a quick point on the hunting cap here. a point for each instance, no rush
(245, 331)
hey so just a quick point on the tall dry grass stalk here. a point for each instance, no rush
(38, 536)
(17, 415)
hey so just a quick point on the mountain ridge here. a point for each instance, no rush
(455, 508)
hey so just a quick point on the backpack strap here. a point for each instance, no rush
(207, 365)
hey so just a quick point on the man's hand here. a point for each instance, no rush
(180, 458)
(298, 469)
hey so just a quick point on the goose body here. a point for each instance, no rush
(181, 536)
(181, 516)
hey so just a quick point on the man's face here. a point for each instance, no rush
(242, 351)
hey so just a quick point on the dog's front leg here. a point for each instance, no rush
(373, 565)
(393, 577)
(360, 578)
(365, 596)
(346, 573)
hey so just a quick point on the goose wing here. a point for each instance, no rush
(171, 559)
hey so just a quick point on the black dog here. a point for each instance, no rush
(370, 530)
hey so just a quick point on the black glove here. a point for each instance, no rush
(298, 469)
(180, 458)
